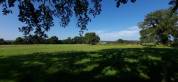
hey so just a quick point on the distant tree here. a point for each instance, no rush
(120, 41)
(34, 39)
(19, 40)
(78, 40)
(53, 40)
(91, 38)
(2, 41)
(38, 40)
(28, 39)
(159, 27)
(68, 41)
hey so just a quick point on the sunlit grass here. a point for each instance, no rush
(11, 50)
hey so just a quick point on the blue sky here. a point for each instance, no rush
(112, 24)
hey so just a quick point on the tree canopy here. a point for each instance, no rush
(159, 27)
(91, 38)
(38, 15)
(2, 41)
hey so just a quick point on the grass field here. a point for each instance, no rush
(12, 50)
(87, 63)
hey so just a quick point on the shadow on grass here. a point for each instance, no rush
(115, 65)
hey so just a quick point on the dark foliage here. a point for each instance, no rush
(34, 39)
(121, 41)
(159, 27)
(19, 40)
(53, 40)
(91, 38)
(78, 40)
(5, 42)
(2, 41)
(38, 15)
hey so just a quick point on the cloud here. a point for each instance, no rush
(131, 33)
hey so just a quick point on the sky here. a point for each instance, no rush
(112, 24)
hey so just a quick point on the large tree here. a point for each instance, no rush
(2, 41)
(78, 39)
(38, 15)
(159, 26)
(53, 40)
(19, 40)
(91, 38)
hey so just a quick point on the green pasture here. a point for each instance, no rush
(88, 63)
(11, 50)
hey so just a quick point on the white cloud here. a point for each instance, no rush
(131, 33)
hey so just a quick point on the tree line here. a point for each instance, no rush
(88, 38)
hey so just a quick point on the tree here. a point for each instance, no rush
(120, 41)
(91, 38)
(38, 15)
(159, 27)
(30, 39)
(53, 40)
(68, 41)
(37, 39)
(19, 40)
(2, 41)
(78, 40)
(175, 4)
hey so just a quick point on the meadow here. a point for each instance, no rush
(88, 63)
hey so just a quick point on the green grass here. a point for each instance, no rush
(12, 50)
(88, 63)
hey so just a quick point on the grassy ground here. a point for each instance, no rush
(12, 50)
(87, 63)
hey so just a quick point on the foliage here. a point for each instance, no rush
(120, 41)
(91, 38)
(78, 40)
(53, 40)
(19, 40)
(2, 41)
(39, 15)
(68, 41)
(159, 27)
(175, 4)
(175, 43)
(34, 39)
(31, 39)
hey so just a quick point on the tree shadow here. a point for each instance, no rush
(122, 64)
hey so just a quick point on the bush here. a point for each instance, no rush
(175, 44)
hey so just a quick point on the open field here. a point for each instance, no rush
(11, 50)
(87, 63)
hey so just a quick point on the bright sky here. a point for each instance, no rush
(112, 24)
